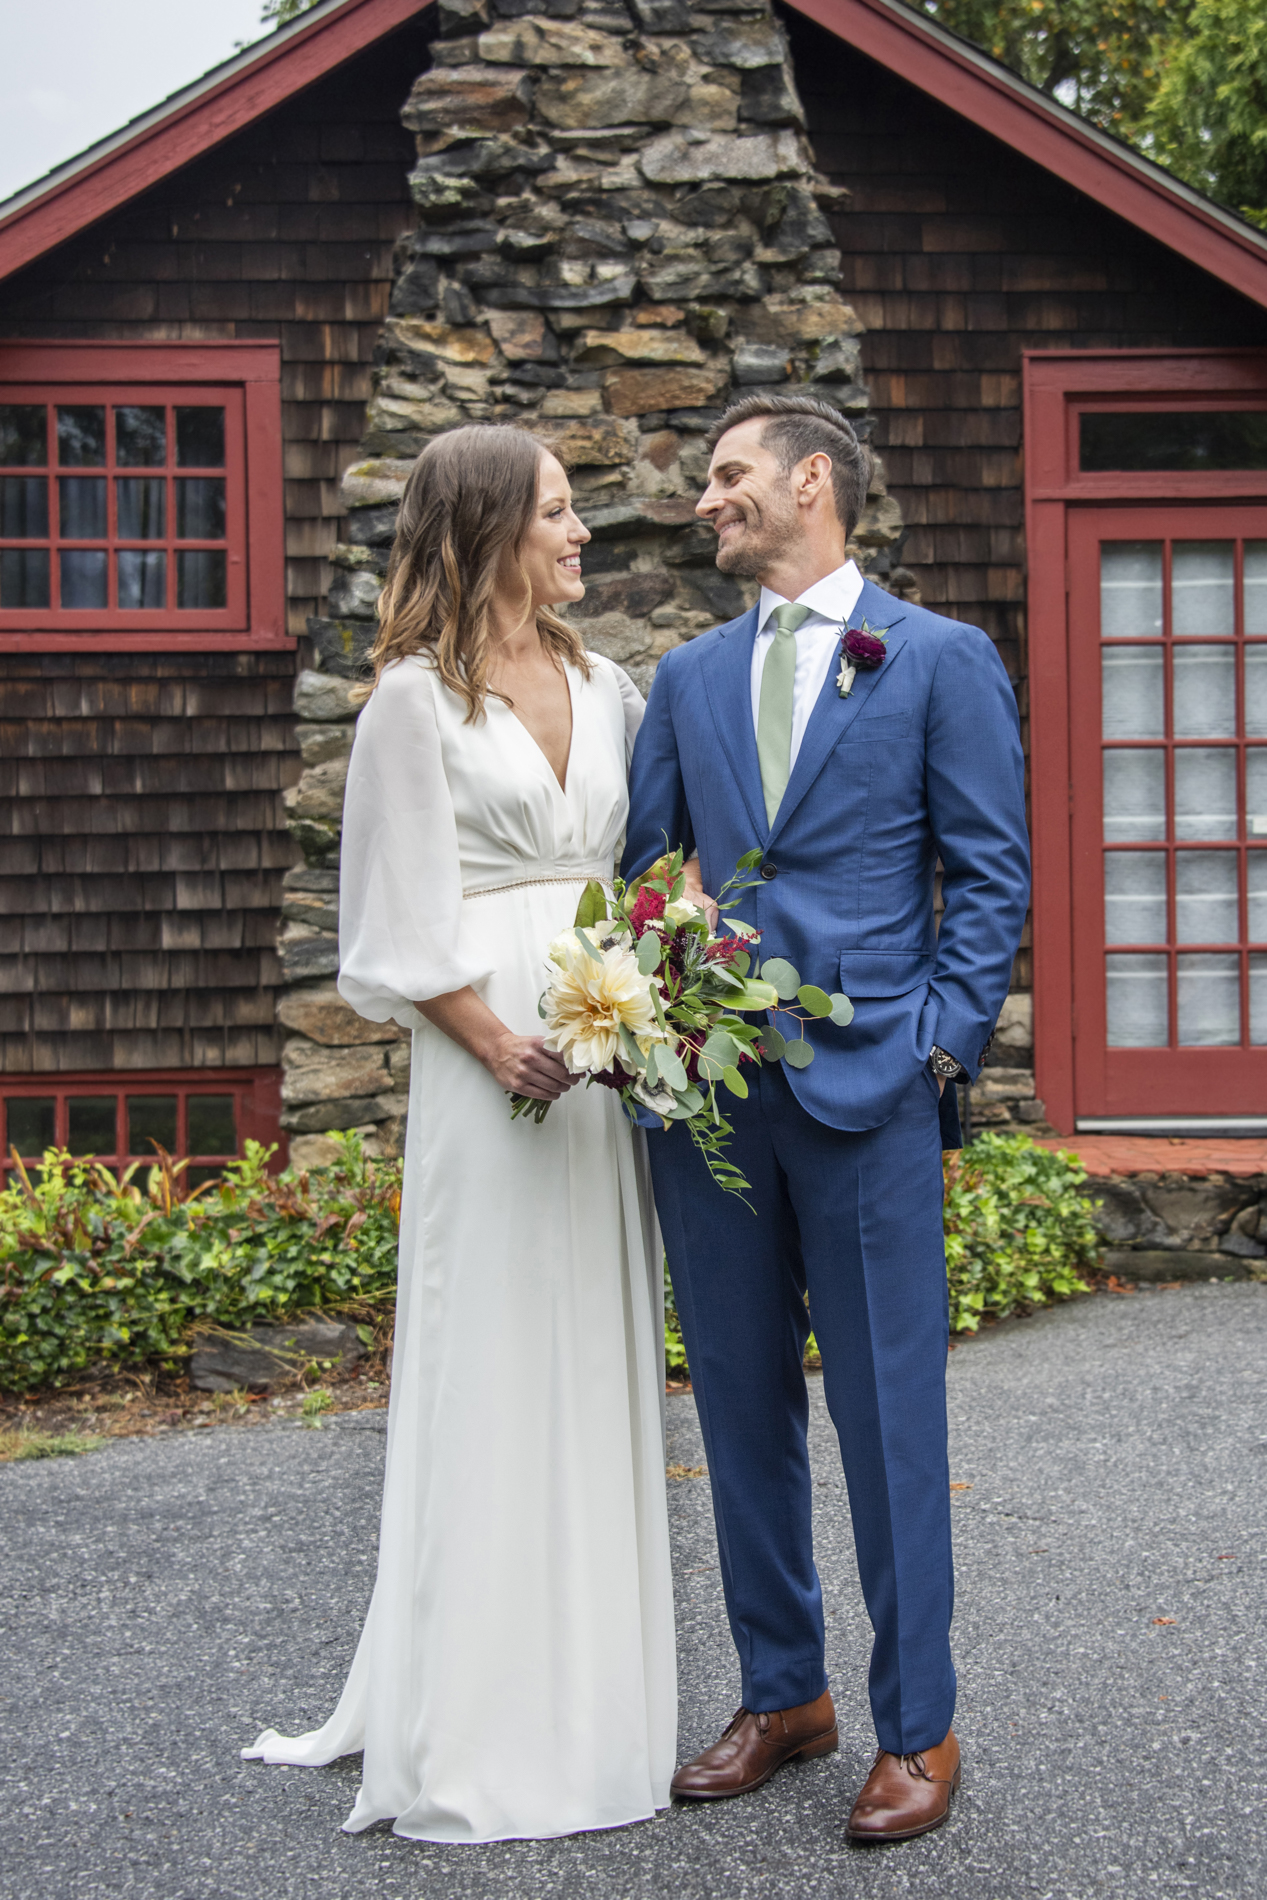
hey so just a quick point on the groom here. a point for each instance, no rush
(853, 783)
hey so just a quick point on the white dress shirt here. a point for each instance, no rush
(830, 602)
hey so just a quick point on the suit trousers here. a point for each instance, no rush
(855, 1220)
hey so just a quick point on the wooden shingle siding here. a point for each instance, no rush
(142, 835)
(285, 232)
(958, 254)
(142, 851)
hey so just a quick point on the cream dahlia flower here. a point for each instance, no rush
(588, 1001)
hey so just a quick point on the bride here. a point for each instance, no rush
(515, 1676)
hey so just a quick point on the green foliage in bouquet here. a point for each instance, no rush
(1018, 1234)
(98, 1272)
(649, 1002)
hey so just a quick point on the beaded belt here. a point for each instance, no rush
(526, 883)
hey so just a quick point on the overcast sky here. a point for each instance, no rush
(75, 70)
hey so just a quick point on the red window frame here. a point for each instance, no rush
(256, 1096)
(242, 378)
(1075, 1071)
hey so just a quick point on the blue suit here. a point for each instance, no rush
(921, 761)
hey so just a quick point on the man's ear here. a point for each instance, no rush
(813, 476)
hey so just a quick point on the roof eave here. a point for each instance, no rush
(193, 121)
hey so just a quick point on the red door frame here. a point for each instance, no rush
(1058, 386)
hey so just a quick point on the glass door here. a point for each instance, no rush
(1168, 809)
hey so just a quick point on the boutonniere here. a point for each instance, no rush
(862, 649)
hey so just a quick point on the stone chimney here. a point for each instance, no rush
(620, 229)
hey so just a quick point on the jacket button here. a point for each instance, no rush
(769, 870)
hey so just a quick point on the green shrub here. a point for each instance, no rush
(1018, 1233)
(99, 1272)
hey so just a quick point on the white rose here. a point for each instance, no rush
(681, 912)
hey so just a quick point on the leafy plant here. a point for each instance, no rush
(1018, 1231)
(98, 1271)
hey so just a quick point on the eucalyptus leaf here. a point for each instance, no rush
(671, 1066)
(650, 950)
(816, 1001)
(592, 908)
(741, 964)
(721, 1051)
(841, 1009)
(541, 1007)
(690, 1099)
(735, 1083)
(779, 972)
(653, 1069)
(774, 1042)
(583, 938)
(799, 1055)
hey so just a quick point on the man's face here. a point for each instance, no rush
(749, 502)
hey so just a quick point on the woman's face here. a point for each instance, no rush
(550, 553)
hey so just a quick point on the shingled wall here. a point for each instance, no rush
(142, 835)
(620, 226)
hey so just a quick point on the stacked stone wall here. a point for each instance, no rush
(620, 227)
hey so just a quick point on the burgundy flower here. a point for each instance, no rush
(863, 649)
(724, 949)
(648, 905)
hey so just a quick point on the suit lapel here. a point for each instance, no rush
(832, 716)
(728, 683)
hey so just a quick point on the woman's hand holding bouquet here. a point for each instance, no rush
(646, 1000)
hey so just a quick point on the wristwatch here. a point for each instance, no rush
(945, 1065)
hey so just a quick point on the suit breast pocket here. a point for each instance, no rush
(886, 726)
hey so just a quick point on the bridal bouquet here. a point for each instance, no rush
(644, 999)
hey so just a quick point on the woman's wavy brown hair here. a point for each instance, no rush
(471, 496)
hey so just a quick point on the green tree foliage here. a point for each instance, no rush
(1183, 80)
(1207, 119)
(279, 12)
(1098, 56)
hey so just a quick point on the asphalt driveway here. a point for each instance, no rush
(160, 1600)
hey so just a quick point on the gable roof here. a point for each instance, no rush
(953, 71)
(990, 95)
(202, 115)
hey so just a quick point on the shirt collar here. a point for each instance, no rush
(833, 598)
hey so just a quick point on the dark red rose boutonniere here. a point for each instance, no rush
(862, 650)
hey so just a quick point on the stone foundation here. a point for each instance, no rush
(1170, 1226)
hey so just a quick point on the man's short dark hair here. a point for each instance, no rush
(800, 426)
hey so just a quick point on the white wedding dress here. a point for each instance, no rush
(516, 1673)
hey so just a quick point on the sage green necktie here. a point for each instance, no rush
(774, 707)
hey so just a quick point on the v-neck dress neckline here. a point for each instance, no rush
(536, 745)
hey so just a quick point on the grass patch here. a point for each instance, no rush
(15, 1446)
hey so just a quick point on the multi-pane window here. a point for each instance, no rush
(141, 496)
(1183, 654)
(120, 507)
(116, 1124)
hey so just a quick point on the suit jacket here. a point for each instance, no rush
(922, 760)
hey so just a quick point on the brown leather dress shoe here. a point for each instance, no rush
(754, 1745)
(906, 1795)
